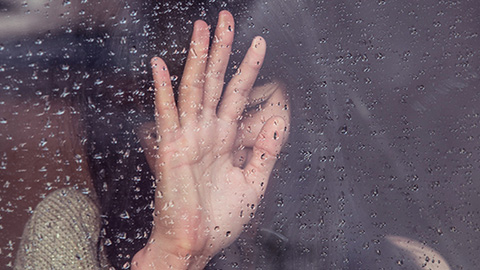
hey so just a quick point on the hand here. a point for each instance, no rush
(264, 102)
(203, 199)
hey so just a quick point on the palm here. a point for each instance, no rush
(202, 197)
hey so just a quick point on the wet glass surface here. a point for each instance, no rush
(381, 169)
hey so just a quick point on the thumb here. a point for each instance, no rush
(267, 146)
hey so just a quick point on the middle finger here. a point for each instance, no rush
(218, 62)
(191, 86)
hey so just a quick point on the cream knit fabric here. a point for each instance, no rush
(62, 233)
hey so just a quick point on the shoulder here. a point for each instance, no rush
(66, 210)
(69, 202)
(62, 233)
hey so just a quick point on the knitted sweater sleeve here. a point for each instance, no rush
(62, 233)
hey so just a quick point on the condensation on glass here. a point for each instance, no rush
(381, 170)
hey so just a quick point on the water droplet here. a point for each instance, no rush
(280, 202)
(380, 56)
(125, 215)
(42, 143)
(343, 130)
(108, 242)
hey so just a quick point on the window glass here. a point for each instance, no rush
(381, 165)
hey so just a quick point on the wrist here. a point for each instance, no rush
(155, 257)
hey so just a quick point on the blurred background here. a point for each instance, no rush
(382, 167)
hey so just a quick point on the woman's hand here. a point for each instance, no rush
(206, 191)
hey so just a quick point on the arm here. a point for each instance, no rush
(204, 196)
